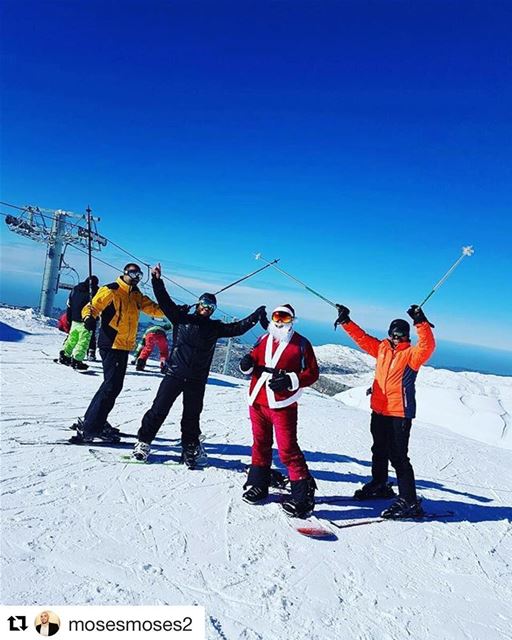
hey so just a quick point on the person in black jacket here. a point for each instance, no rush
(194, 338)
(75, 347)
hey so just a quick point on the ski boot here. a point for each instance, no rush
(256, 485)
(372, 490)
(279, 480)
(80, 436)
(64, 359)
(79, 365)
(141, 364)
(141, 451)
(193, 455)
(91, 355)
(403, 509)
(302, 501)
(109, 433)
(253, 495)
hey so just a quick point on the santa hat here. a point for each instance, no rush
(285, 308)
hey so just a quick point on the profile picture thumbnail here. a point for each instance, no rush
(47, 623)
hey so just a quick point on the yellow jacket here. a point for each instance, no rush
(119, 305)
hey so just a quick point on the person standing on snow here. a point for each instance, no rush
(281, 364)
(154, 336)
(76, 344)
(194, 338)
(393, 404)
(119, 305)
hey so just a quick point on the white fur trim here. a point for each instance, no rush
(279, 404)
(271, 362)
(284, 310)
(295, 380)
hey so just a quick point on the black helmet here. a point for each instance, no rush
(399, 327)
(208, 299)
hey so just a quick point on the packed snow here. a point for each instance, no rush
(87, 528)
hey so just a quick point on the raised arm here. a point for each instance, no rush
(364, 340)
(421, 352)
(169, 308)
(231, 329)
(367, 342)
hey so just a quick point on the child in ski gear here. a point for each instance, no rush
(393, 404)
(119, 305)
(281, 364)
(194, 338)
(154, 336)
(75, 347)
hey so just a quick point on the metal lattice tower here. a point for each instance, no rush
(32, 223)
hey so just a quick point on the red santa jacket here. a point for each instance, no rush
(296, 357)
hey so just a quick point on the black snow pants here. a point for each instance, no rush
(390, 444)
(114, 363)
(170, 388)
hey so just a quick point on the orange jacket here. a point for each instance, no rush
(394, 389)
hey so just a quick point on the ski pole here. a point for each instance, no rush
(303, 284)
(249, 275)
(466, 251)
(89, 251)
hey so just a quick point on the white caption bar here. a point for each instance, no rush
(64, 622)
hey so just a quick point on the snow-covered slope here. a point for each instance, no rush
(80, 528)
(475, 405)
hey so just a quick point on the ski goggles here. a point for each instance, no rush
(282, 316)
(209, 306)
(398, 335)
(134, 274)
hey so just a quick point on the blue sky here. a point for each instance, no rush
(363, 143)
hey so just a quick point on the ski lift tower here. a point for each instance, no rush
(32, 223)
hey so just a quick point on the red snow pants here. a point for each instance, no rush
(153, 340)
(285, 423)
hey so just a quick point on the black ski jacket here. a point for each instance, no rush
(195, 336)
(77, 300)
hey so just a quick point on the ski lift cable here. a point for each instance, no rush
(194, 295)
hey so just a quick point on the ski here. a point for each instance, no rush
(115, 445)
(127, 459)
(377, 519)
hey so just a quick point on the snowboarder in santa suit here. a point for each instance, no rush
(281, 364)
(393, 404)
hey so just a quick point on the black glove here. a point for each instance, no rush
(90, 323)
(417, 315)
(183, 308)
(280, 382)
(343, 315)
(258, 314)
(264, 319)
(246, 363)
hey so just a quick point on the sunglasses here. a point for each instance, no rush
(282, 316)
(398, 336)
(133, 274)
